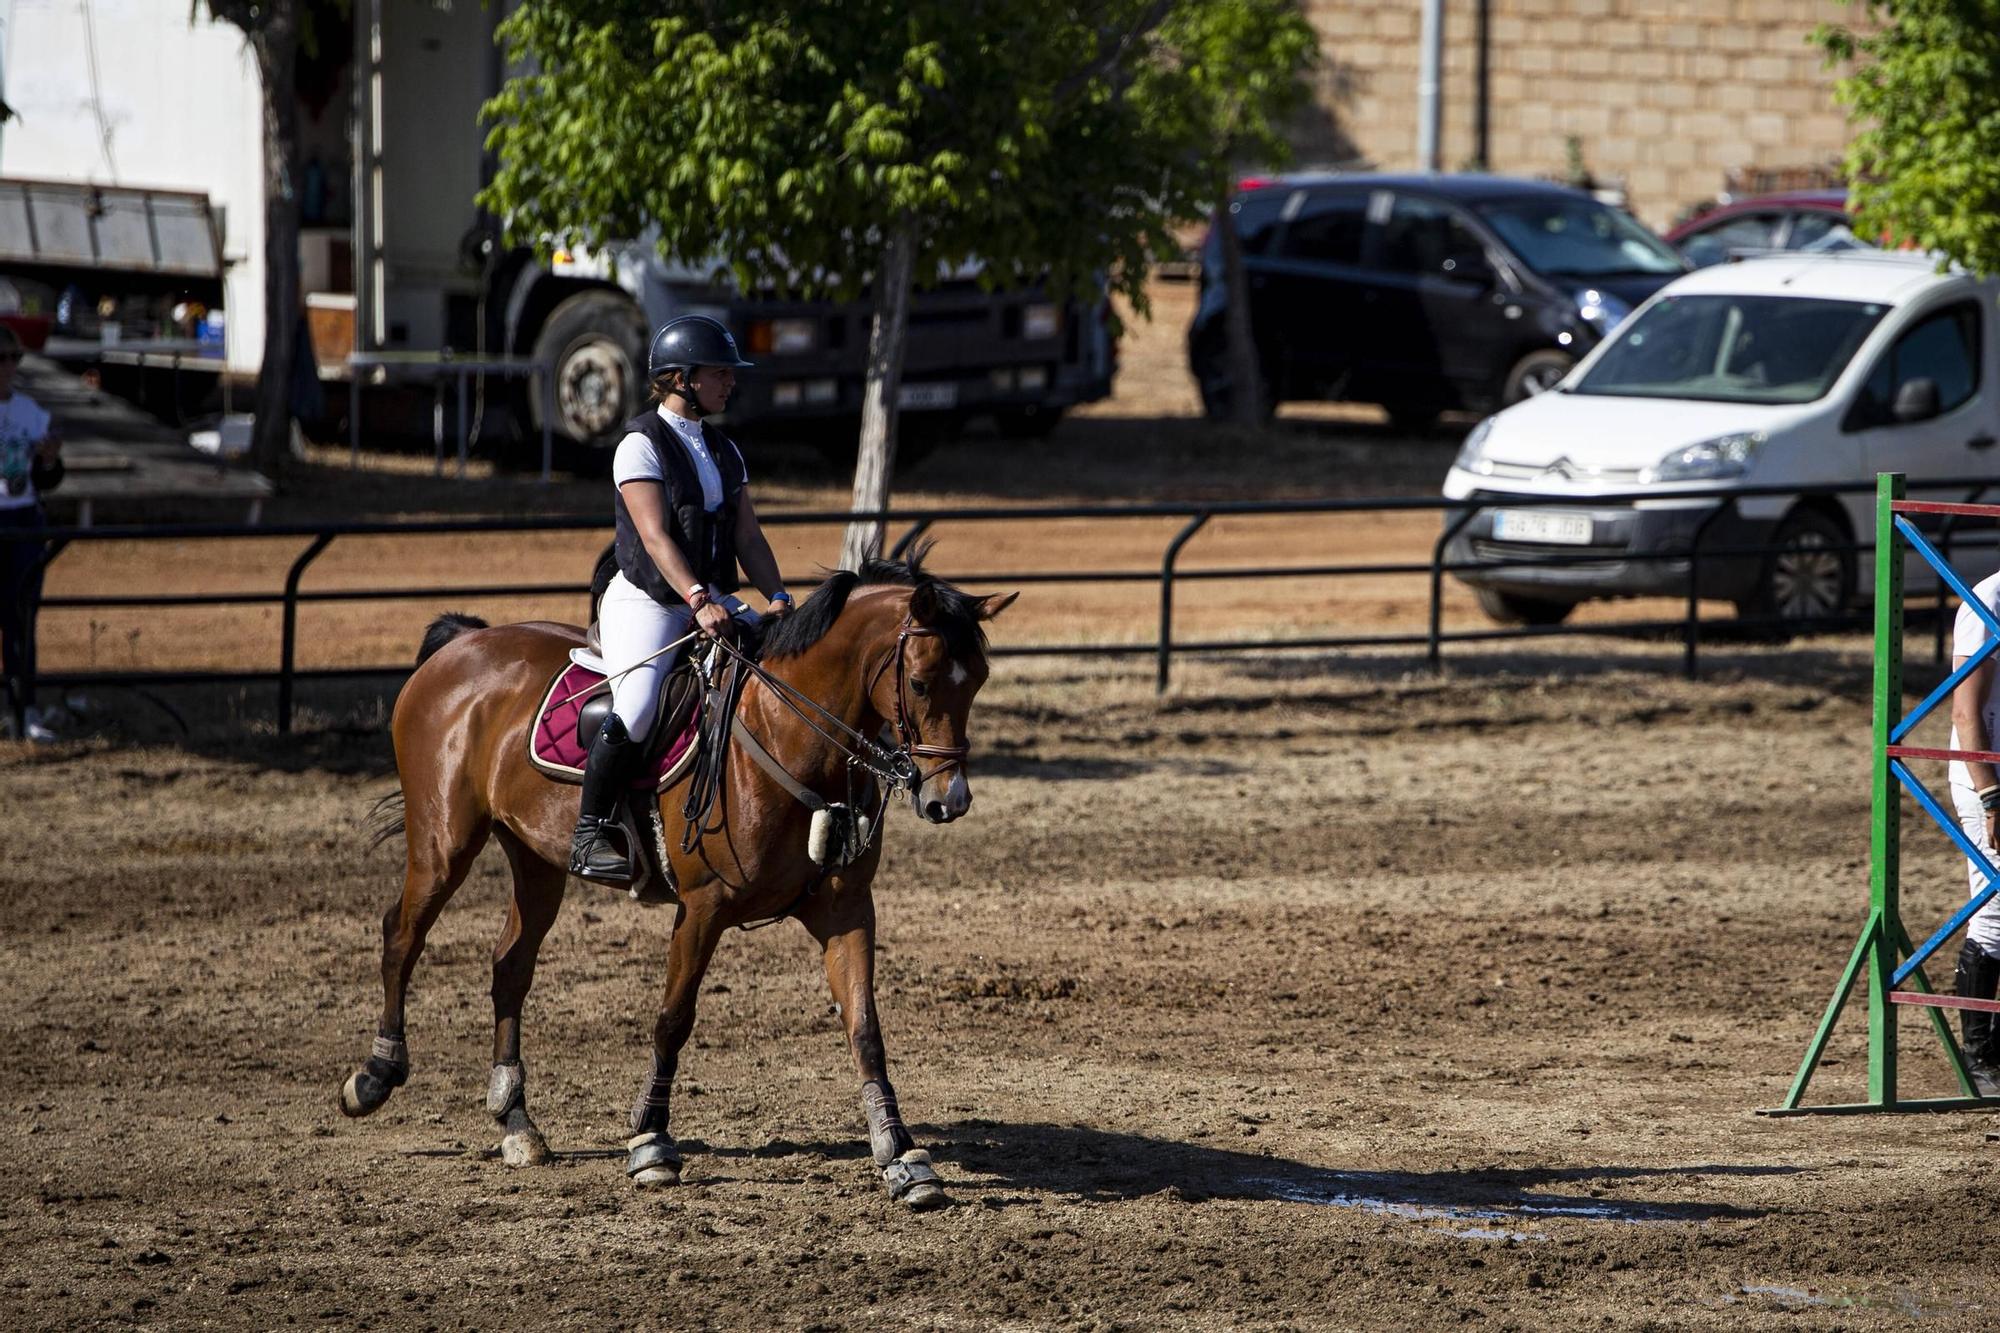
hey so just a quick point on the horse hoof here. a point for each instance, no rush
(912, 1183)
(526, 1148)
(923, 1198)
(363, 1094)
(652, 1161)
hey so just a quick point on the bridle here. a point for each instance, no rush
(896, 768)
(907, 735)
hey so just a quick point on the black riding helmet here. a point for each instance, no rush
(691, 341)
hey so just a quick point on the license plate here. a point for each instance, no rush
(927, 397)
(1530, 525)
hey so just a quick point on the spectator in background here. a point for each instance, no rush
(30, 465)
(1975, 795)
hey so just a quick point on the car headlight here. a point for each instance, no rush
(1718, 459)
(1601, 310)
(1472, 454)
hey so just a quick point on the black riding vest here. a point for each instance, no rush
(706, 540)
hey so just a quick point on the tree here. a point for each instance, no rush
(1924, 168)
(877, 144)
(272, 29)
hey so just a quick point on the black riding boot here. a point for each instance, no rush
(1978, 979)
(598, 850)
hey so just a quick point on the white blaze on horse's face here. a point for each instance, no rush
(941, 690)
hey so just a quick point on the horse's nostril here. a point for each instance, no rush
(934, 811)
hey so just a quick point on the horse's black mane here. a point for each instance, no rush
(957, 620)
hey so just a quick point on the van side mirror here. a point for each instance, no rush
(1916, 400)
(1469, 266)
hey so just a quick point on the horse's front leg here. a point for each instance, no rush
(538, 896)
(651, 1159)
(844, 924)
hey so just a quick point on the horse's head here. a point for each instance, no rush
(925, 685)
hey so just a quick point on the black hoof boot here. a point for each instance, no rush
(598, 851)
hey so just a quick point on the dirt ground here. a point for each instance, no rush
(1319, 994)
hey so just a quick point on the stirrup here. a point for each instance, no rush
(594, 837)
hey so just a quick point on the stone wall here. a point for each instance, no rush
(1666, 97)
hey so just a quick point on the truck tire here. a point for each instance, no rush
(597, 343)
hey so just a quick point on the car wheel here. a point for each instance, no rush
(597, 344)
(1809, 574)
(1537, 372)
(1509, 608)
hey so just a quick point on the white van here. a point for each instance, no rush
(1793, 370)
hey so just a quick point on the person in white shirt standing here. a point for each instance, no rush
(1975, 796)
(685, 520)
(30, 466)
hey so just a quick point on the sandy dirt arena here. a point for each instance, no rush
(1317, 995)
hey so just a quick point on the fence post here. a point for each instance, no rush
(1885, 797)
(1692, 666)
(548, 415)
(1434, 652)
(1166, 645)
(288, 649)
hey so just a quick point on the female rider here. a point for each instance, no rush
(684, 521)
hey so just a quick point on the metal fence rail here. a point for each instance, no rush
(1454, 516)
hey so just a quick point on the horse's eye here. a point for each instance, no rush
(919, 689)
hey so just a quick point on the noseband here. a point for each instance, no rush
(907, 735)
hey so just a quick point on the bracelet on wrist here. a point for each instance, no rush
(781, 596)
(1990, 799)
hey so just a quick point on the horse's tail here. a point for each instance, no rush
(385, 820)
(443, 630)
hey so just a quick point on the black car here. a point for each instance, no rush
(1421, 293)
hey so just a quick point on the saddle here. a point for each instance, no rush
(579, 699)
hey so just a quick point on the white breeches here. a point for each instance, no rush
(1984, 928)
(632, 627)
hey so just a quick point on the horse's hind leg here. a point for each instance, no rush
(538, 895)
(438, 863)
(843, 922)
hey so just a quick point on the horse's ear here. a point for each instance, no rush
(923, 603)
(990, 607)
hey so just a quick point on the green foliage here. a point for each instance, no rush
(1059, 137)
(1925, 165)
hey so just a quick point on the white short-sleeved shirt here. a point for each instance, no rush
(1969, 634)
(23, 423)
(636, 460)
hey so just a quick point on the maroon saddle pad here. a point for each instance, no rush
(554, 748)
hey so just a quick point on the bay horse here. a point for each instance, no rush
(892, 648)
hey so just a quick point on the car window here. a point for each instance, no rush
(1421, 234)
(1820, 232)
(1328, 229)
(1943, 348)
(1752, 231)
(1256, 216)
(1732, 349)
(1565, 236)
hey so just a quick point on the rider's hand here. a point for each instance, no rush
(711, 618)
(1992, 828)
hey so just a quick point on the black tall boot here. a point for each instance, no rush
(598, 850)
(1978, 979)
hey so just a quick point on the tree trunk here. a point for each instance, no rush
(1246, 380)
(276, 43)
(876, 461)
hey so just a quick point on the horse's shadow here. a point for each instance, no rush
(1105, 1166)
